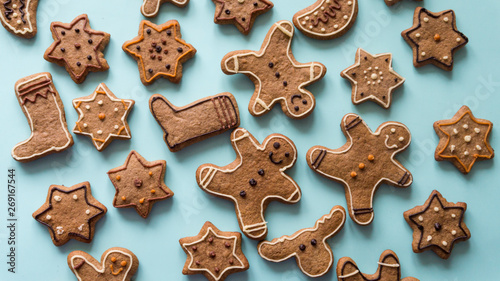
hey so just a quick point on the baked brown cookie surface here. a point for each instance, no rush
(150, 8)
(19, 17)
(241, 13)
(394, 2)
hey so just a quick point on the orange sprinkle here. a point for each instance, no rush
(124, 198)
(113, 259)
(141, 200)
(123, 263)
(437, 37)
(118, 177)
(150, 173)
(101, 92)
(78, 126)
(353, 174)
(78, 104)
(124, 104)
(371, 157)
(121, 129)
(361, 166)
(102, 116)
(153, 191)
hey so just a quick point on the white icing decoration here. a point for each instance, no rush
(423, 54)
(459, 39)
(316, 13)
(420, 218)
(374, 76)
(478, 147)
(445, 243)
(99, 132)
(346, 17)
(336, 26)
(453, 232)
(466, 126)
(453, 215)
(75, 197)
(477, 130)
(16, 30)
(241, 1)
(393, 130)
(436, 209)
(85, 125)
(117, 127)
(426, 19)
(155, 12)
(452, 148)
(455, 131)
(417, 35)
(401, 139)
(429, 238)
(323, 29)
(445, 58)
(58, 198)
(100, 102)
(466, 153)
(81, 227)
(116, 109)
(388, 264)
(59, 230)
(87, 212)
(467, 138)
(349, 275)
(87, 107)
(101, 268)
(48, 217)
(349, 3)
(446, 19)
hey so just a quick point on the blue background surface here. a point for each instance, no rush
(429, 94)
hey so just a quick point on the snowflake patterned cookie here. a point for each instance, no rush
(150, 8)
(241, 13)
(19, 17)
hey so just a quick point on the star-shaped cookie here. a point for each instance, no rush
(159, 51)
(434, 38)
(70, 213)
(78, 48)
(437, 225)
(139, 183)
(102, 117)
(213, 253)
(372, 78)
(463, 140)
(241, 13)
(150, 8)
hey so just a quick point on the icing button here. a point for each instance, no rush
(253, 182)
(302, 247)
(138, 183)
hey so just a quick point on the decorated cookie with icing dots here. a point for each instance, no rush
(213, 253)
(241, 13)
(70, 213)
(394, 2)
(277, 76)
(19, 17)
(117, 264)
(309, 247)
(150, 8)
(254, 179)
(327, 19)
(463, 140)
(437, 225)
(364, 163)
(434, 38)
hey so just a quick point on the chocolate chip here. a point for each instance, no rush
(90, 41)
(285, 83)
(89, 57)
(197, 262)
(169, 32)
(271, 65)
(243, 19)
(227, 12)
(153, 44)
(386, 60)
(150, 50)
(210, 240)
(366, 58)
(77, 30)
(231, 261)
(296, 108)
(152, 56)
(63, 50)
(287, 154)
(252, 182)
(227, 244)
(396, 80)
(138, 182)
(383, 97)
(362, 94)
(194, 248)
(277, 74)
(150, 70)
(255, 4)
(276, 145)
(216, 269)
(304, 101)
(314, 242)
(179, 50)
(212, 254)
(243, 193)
(260, 172)
(165, 51)
(138, 48)
(167, 66)
(63, 32)
(77, 45)
(159, 58)
(158, 49)
(354, 74)
(148, 31)
(78, 63)
(437, 226)
(302, 247)
(164, 42)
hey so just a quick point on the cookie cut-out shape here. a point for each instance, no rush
(19, 17)
(159, 51)
(241, 13)
(78, 48)
(309, 247)
(372, 78)
(254, 179)
(213, 253)
(463, 140)
(434, 38)
(70, 213)
(195, 122)
(394, 2)
(117, 264)
(365, 162)
(150, 8)
(139, 183)
(43, 107)
(437, 225)
(327, 19)
(389, 269)
(277, 76)
(103, 117)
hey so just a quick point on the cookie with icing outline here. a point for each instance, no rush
(434, 38)
(327, 19)
(78, 48)
(309, 247)
(241, 13)
(70, 213)
(19, 17)
(150, 8)
(277, 76)
(117, 264)
(254, 179)
(213, 253)
(394, 2)
(365, 162)
(437, 225)
(463, 140)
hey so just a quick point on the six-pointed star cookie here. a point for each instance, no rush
(213, 253)
(372, 78)
(150, 8)
(277, 76)
(78, 48)
(364, 162)
(103, 117)
(434, 38)
(159, 51)
(70, 213)
(139, 183)
(241, 13)
(437, 225)
(463, 140)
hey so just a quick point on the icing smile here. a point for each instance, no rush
(274, 161)
(113, 271)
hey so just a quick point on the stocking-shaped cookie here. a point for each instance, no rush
(19, 17)
(117, 264)
(150, 8)
(364, 162)
(309, 247)
(254, 179)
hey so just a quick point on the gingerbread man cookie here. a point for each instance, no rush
(19, 17)
(434, 38)
(254, 179)
(241, 13)
(437, 225)
(463, 140)
(213, 253)
(394, 2)
(150, 8)
(117, 264)
(277, 76)
(372, 78)
(309, 247)
(364, 162)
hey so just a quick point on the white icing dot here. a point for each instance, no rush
(81, 227)
(459, 39)
(346, 17)
(100, 102)
(368, 82)
(478, 147)
(370, 68)
(85, 125)
(426, 19)
(374, 76)
(311, 27)
(58, 198)
(429, 238)
(14, 15)
(401, 139)
(336, 26)
(477, 130)
(378, 81)
(420, 218)
(19, 22)
(436, 209)
(445, 58)
(393, 130)
(307, 18)
(327, 1)
(14, 6)
(316, 13)
(48, 217)
(380, 73)
(364, 72)
(417, 35)
(446, 19)
(452, 148)
(59, 230)
(87, 107)
(455, 131)
(99, 132)
(322, 8)
(453, 232)
(304, 23)
(445, 243)
(87, 212)
(323, 29)
(423, 54)
(466, 153)
(453, 215)
(116, 127)
(75, 197)
(376, 67)
(349, 3)
(467, 138)
(116, 109)
(465, 126)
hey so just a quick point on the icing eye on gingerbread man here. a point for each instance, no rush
(280, 151)
(118, 265)
(397, 136)
(300, 103)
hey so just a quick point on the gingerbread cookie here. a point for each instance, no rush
(70, 213)
(363, 163)
(117, 264)
(78, 48)
(277, 76)
(434, 38)
(183, 126)
(437, 225)
(241, 13)
(309, 247)
(42, 106)
(327, 19)
(150, 8)
(213, 253)
(19, 17)
(254, 179)
(372, 78)
(159, 51)
(389, 269)
(394, 2)
(463, 140)
(139, 183)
